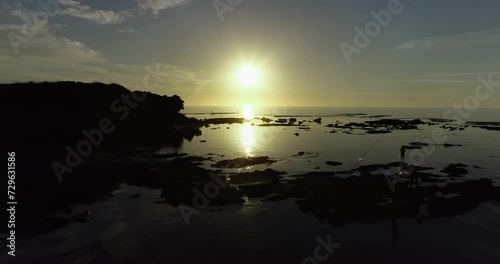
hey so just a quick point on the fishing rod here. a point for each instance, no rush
(364, 154)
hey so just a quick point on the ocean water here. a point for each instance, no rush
(480, 148)
(124, 230)
(479, 114)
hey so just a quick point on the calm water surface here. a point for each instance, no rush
(124, 230)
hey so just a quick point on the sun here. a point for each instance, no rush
(248, 75)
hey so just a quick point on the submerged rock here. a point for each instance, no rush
(333, 163)
(456, 169)
(243, 162)
(378, 131)
(256, 178)
(222, 120)
(266, 120)
(447, 145)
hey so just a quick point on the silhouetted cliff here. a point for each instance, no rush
(54, 114)
(59, 130)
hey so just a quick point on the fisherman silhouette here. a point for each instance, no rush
(403, 150)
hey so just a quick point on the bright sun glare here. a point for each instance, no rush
(248, 112)
(248, 76)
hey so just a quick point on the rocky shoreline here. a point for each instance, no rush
(364, 197)
(128, 156)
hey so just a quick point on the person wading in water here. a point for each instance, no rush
(403, 150)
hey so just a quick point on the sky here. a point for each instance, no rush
(307, 52)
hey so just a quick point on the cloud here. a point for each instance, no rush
(449, 41)
(177, 80)
(449, 77)
(458, 74)
(126, 31)
(438, 81)
(27, 17)
(48, 57)
(43, 55)
(156, 6)
(75, 9)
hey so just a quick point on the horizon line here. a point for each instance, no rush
(323, 106)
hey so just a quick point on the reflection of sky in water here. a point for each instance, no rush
(147, 230)
(126, 230)
(480, 147)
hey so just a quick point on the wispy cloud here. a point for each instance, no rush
(448, 41)
(126, 31)
(76, 9)
(458, 74)
(26, 16)
(49, 57)
(449, 77)
(156, 6)
(439, 81)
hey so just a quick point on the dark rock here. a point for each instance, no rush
(82, 217)
(416, 122)
(137, 195)
(255, 178)
(243, 162)
(275, 198)
(266, 120)
(378, 131)
(483, 123)
(333, 163)
(219, 121)
(282, 120)
(413, 147)
(419, 144)
(279, 125)
(441, 120)
(456, 169)
(447, 145)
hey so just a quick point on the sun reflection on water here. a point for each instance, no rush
(248, 138)
(248, 112)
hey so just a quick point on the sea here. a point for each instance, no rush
(124, 230)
